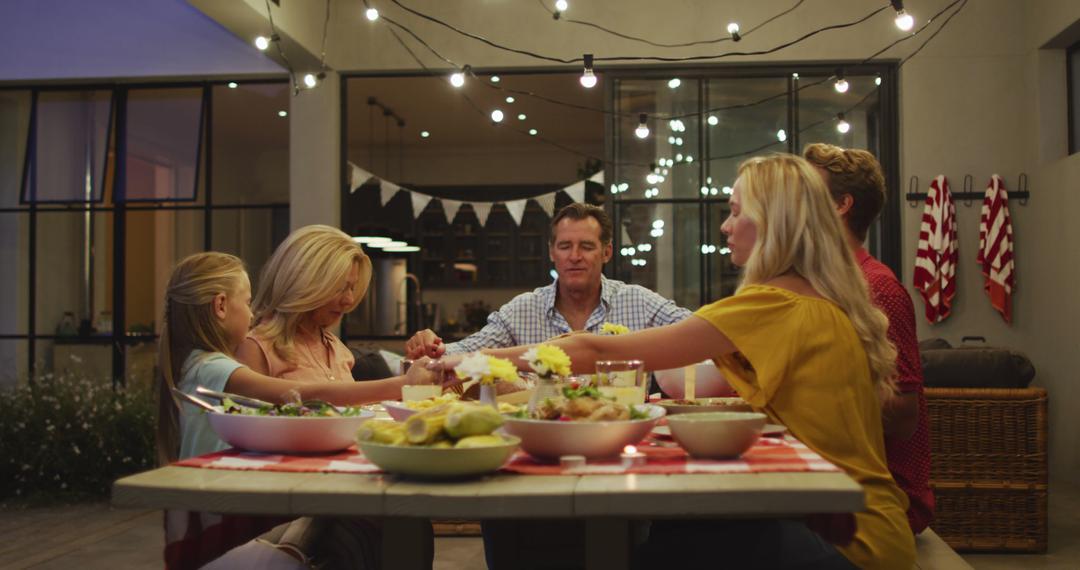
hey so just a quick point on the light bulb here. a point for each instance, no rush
(842, 126)
(310, 81)
(658, 224)
(495, 79)
(877, 80)
(674, 83)
(795, 76)
(533, 132)
(521, 116)
(457, 79)
(642, 130)
(262, 42)
(561, 5)
(781, 135)
(283, 113)
(497, 116)
(704, 190)
(232, 85)
(371, 14)
(841, 85)
(733, 29)
(424, 134)
(588, 80)
(713, 120)
(510, 99)
(904, 21)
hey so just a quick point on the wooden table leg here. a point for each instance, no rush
(407, 543)
(607, 544)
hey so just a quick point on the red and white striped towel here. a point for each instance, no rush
(935, 260)
(996, 247)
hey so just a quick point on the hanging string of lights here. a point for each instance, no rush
(638, 58)
(733, 28)
(263, 43)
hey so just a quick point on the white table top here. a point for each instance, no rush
(502, 495)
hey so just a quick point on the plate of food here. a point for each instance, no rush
(699, 405)
(450, 440)
(310, 427)
(581, 422)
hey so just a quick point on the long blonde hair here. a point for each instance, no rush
(190, 323)
(799, 230)
(305, 272)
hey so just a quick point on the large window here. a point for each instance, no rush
(669, 190)
(103, 189)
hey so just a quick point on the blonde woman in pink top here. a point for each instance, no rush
(313, 278)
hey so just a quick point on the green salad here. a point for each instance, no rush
(305, 409)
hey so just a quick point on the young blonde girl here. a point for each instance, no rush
(800, 341)
(207, 316)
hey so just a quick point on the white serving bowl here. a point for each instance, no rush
(398, 410)
(288, 434)
(551, 439)
(717, 435)
(438, 463)
(708, 381)
(702, 405)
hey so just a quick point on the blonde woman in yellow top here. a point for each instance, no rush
(800, 341)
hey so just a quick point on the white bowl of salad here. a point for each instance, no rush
(582, 422)
(288, 428)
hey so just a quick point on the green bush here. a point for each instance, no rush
(68, 437)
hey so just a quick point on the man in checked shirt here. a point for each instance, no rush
(581, 299)
(857, 186)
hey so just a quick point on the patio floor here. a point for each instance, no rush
(95, 536)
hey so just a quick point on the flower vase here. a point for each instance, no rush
(487, 395)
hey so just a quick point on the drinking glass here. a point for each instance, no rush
(623, 380)
(413, 392)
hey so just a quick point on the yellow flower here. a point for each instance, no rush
(502, 370)
(548, 360)
(613, 329)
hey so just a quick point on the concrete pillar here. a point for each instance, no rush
(315, 155)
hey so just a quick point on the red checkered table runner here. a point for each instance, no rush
(662, 458)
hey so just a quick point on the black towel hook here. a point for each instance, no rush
(913, 188)
(1021, 186)
(969, 187)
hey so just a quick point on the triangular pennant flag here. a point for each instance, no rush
(598, 177)
(450, 208)
(482, 209)
(576, 191)
(387, 191)
(357, 177)
(516, 209)
(419, 202)
(547, 203)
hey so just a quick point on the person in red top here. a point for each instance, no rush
(857, 185)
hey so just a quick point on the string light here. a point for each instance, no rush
(588, 79)
(496, 116)
(521, 116)
(674, 83)
(424, 134)
(877, 79)
(904, 21)
(510, 99)
(262, 42)
(533, 132)
(644, 247)
(713, 120)
(371, 14)
(495, 79)
(311, 80)
(781, 135)
(457, 79)
(642, 130)
(733, 29)
(842, 126)
(560, 7)
(841, 84)
(283, 113)
(232, 85)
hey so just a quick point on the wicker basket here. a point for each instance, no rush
(989, 470)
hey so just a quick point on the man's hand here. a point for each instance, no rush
(424, 343)
(421, 373)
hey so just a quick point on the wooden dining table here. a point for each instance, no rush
(606, 503)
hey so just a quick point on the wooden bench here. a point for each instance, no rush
(931, 553)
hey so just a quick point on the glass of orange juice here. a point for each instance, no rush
(622, 380)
